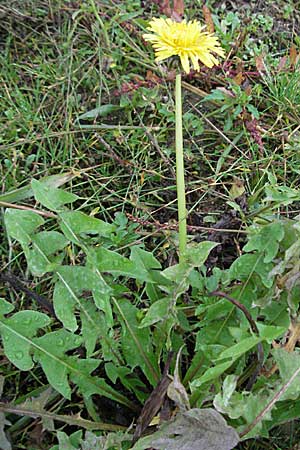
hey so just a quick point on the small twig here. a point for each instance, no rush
(112, 153)
(104, 126)
(260, 350)
(27, 208)
(220, 132)
(18, 286)
(154, 142)
(191, 228)
(12, 12)
(270, 405)
(38, 137)
(197, 91)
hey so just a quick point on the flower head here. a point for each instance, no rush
(185, 39)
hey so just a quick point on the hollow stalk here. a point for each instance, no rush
(180, 170)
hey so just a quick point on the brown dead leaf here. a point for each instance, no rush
(282, 63)
(248, 90)
(294, 337)
(154, 402)
(171, 75)
(226, 92)
(237, 189)
(208, 19)
(293, 56)
(176, 390)
(239, 78)
(178, 7)
(166, 8)
(150, 76)
(259, 62)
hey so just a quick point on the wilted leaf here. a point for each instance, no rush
(153, 402)
(176, 390)
(200, 429)
(151, 76)
(237, 189)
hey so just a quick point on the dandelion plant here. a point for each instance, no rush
(188, 41)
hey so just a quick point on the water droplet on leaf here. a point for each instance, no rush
(19, 355)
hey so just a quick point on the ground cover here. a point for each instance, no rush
(95, 309)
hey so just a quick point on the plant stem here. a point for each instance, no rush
(180, 170)
(71, 420)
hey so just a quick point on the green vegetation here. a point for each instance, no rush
(93, 301)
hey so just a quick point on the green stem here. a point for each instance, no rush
(180, 170)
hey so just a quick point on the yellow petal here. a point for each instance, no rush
(185, 62)
(183, 39)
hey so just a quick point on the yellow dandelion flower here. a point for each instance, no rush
(184, 39)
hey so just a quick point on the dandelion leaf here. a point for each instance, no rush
(200, 429)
